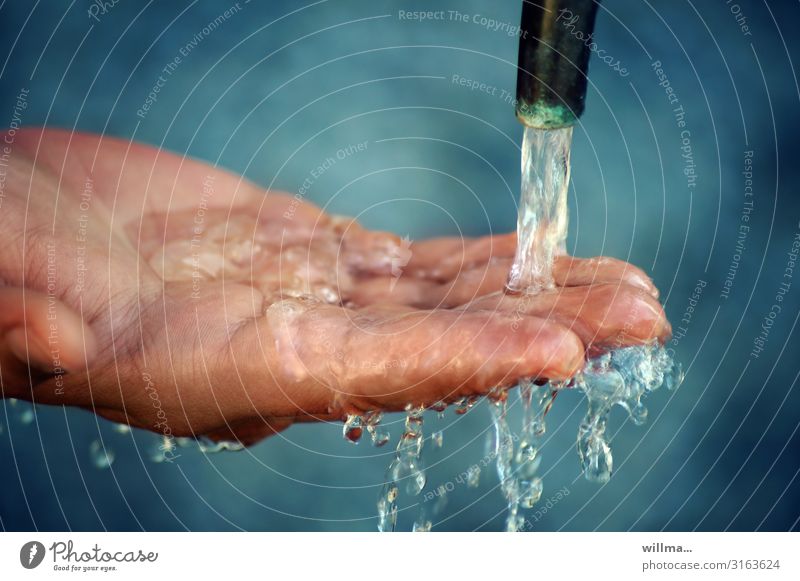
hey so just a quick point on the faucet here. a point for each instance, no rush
(554, 50)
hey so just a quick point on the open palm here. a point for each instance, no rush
(163, 292)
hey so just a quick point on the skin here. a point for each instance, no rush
(87, 320)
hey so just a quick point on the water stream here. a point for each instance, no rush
(542, 214)
(619, 377)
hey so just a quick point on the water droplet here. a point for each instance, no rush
(497, 394)
(327, 294)
(674, 377)
(474, 476)
(439, 408)
(208, 446)
(556, 385)
(465, 404)
(632, 373)
(167, 444)
(102, 456)
(163, 446)
(617, 378)
(422, 526)
(504, 445)
(407, 467)
(378, 435)
(515, 523)
(527, 459)
(531, 492)
(387, 508)
(26, 417)
(595, 453)
(416, 483)
(352, 429)
(122, 428)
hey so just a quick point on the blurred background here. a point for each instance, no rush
(273, 89)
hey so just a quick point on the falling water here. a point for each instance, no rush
(543, 216)
(618, 377)
(406, 470)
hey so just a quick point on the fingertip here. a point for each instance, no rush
(568, 356)
(551, 350)
(636, 277)
(68, 346)
(633, 276)
(43, 332)
(571, 271)
(574, 356)
(639, 317)
(71, 340)
(654, 322)
(28, 349)
(666, 332)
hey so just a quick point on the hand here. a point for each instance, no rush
(165, 293)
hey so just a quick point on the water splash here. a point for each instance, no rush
(620, 377)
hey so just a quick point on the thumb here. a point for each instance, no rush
(41, 334)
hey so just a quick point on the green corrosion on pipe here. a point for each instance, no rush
(553, 61)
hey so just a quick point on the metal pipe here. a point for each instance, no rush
(553, 61)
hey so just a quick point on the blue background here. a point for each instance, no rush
(280, 86)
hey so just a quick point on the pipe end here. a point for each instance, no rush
(546, 116)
